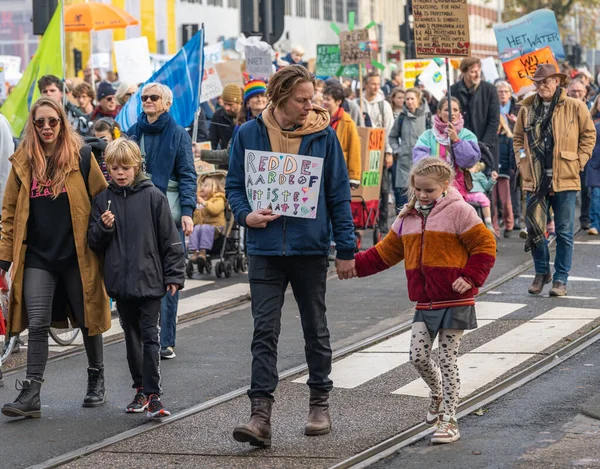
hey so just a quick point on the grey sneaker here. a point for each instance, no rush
(167, 353)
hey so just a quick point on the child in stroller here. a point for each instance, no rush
(209, 218)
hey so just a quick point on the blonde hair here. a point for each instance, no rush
(503, 127)
(429, 167)
(54, 170)
(217, 184)
(123, 152)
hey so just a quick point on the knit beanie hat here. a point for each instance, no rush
(253, 88)
(232, 93)
(105, 89)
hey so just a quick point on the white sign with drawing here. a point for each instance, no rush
(211, 83)
(133, 59)
(287, 184)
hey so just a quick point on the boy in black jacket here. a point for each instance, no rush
(131, 225)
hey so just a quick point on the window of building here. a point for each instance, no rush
(301, 8)
(233, 3)
(339, 11)
(288, 7)
(327, 10)
(352, 5)
(217, 3)
(314, 9)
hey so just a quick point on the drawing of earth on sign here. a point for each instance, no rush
(287, 184)
(437, 77)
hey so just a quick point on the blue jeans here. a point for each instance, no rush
(595, 207)
(168, 313)
(563, 205)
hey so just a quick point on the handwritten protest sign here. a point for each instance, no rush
(355, 47)
(412, 69)
(259, 63)
(329, 62)
(288, 184)
(133, 59)
(441, 28)
(528, 34)
(518, 70)
(230, 72)
(211, 83)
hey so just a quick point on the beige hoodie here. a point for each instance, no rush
(289, 142)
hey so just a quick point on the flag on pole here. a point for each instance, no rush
(47, 60)
(182, 74)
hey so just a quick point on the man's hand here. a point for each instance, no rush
(187, 225)
(345, 269)
(108, 218)
(172, 288)
(196, 150)
(261, 218)
(461, 286)
(389, 160)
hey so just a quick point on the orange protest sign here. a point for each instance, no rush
(518, 70)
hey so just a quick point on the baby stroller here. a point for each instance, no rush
(228, 249)
(365, 214)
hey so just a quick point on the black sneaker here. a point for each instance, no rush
(156, 409)
(167, 353)
(1, 380)
(139, 403)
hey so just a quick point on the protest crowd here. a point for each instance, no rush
(110, 211)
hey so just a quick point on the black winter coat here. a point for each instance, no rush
(481, 111)
(221, 129)
(142, 250)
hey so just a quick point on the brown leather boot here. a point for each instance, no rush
(257, 431)
(538, 283)
(319, 420)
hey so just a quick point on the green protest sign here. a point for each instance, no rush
(329, 63)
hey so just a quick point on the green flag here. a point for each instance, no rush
(46, 61)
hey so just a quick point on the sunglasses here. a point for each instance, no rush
(110, 99)
(41, 122)
(152, 97)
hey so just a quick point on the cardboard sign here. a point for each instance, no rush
(133, 60)
(372, 152)
(288, 184)
(412, 69)
(329, 62)
(259, 63)
(211, 83)
(518, 70)
(441, 28)
(355, 47)
(230, 72)
(528, 34)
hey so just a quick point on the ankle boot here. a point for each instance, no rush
(319, 420)
(96, 393)
(27, 404)
(257, 431)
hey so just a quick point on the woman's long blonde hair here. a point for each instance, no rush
(53, 170)
(429, 167)
(503, 127)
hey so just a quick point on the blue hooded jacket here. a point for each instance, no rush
(292, 236)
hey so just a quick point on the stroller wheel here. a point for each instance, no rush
(228, 269)
(208, 266)
(237, 264)
(244, 267)
(219, 269)
(189, 269)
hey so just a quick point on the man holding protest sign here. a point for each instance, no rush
(553, 139)
(288, 184)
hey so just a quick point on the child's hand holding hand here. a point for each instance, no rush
(461, 286)
(201, 201)
(108, 218)
(172, 288)
(494, 176)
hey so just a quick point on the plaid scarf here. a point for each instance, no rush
(541, 144)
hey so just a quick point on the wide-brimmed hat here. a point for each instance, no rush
(544, 71)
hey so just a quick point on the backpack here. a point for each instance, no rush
(368, 121)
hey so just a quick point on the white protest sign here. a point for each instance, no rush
(12, 64)
(214, 53)
(259, 62)
(488, 67)
(158, 60)
(288, 184)
(133, 60)
(434, 80)
(101, 60)
(2, 83)
(211, 83)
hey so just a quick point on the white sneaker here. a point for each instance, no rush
(447, 431)
(433, 412)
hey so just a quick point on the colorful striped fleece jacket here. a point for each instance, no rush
(451, 242)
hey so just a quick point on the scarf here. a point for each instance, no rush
(505, 110)
(97, 113)
(160, 160)
(440, 128)
(335, 118)
(541, 144)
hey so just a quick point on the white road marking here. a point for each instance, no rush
(593, 242)
(575, 279)
(494, 293)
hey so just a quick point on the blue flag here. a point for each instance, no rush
(182, 74)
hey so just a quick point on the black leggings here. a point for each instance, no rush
(38, 292)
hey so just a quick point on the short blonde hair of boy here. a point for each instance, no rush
(123, 152)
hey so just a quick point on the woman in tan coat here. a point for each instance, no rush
(45, 214)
